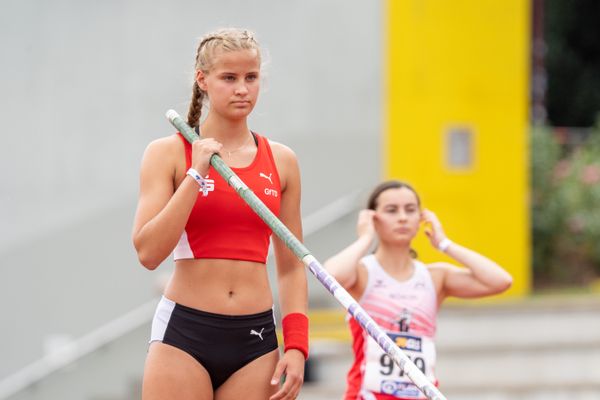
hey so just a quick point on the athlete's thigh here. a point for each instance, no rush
(172, 374)
(252, 381)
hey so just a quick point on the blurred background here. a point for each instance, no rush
(489, 108)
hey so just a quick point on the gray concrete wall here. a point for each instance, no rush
(84, 86)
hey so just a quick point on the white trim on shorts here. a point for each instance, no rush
(163, 313)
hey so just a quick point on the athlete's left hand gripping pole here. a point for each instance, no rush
(340, 294)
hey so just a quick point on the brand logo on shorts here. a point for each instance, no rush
(259, 334)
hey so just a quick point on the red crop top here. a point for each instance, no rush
(221, 224)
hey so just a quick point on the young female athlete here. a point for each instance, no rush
(401, 293)
(213, 333)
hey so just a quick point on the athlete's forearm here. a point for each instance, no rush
(293, 288)
(293, 298)
(343, 265)
(482, 268)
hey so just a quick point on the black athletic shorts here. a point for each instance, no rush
(221, 343)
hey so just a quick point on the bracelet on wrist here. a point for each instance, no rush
(199, 179)
(444, 244)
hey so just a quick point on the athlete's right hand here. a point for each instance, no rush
(202, 151)
(365, 225)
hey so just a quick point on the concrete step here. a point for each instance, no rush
(529, 324)
(521, 370)
(525, 350)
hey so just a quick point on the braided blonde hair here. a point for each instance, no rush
(222, 40)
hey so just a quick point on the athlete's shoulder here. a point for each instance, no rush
(438, 271)
(284, 156)
(438, 266)
(166, 143)
(164, 148)
(280, 149)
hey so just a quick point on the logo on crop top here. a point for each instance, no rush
(266, 177)
(259, 334)
(268, 191)
(404, 321)
(271, 192)
(208, 185)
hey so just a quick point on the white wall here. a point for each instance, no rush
(84, 88)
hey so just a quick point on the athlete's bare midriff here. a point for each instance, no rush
(228, 287)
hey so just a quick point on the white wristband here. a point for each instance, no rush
(444, 244)
(198, 178)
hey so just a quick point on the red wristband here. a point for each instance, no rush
(295, 332)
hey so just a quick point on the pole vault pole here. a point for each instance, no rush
(340, 294)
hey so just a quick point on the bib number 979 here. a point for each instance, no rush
(388, 366)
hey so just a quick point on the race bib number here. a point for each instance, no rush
(382, 375)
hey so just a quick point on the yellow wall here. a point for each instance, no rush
(463, 63)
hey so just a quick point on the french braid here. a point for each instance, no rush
(223, 40)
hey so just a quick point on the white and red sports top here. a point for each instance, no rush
(407, 311)
(221, 224)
